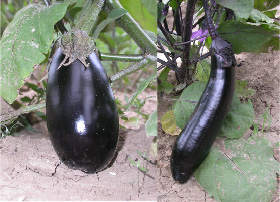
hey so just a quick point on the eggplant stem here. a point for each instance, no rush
(140, 65)
(121, 57)
(187, 33)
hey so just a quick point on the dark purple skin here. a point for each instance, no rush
(195, 140)
(82, 115)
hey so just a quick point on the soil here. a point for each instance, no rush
(31, 170)
(262, 73)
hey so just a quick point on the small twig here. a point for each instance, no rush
(163, 50)
(140, 65)
(166, 64)
(190, 41)
(121, 57)
(209, 22)
(172, 45)
(196, 60)
(165, 33)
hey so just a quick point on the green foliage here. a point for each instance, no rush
(245, 37)
(151, 125)
(174, 4)
(265, 5)
(258, 16)
(75, 13)
(241, 8)
(141, 87)
(202, 71)
(239, 119)
(145, 14)
(168, 123)
(160, 16)
(116, 41)
(242, 91)
(113, 15)
(264, 119)
(185, 105)
(137, 165)
(249, 173)
(24, 44)
(163, 85)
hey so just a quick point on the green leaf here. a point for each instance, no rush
(152, 35)
(159, 33)
(239, 119)
(270, 14)
(163, 85)
(249, 174)
(258, 16)
(168, 123)
(4, 21)
(113, 15)
(142, 13)
(80, 7)
(151, 125)
(185, 105)
(24, 42)
(34, 88)
(137, 165)
(26, 99)
(265, 5)
(271, 45)
(203, 71)
(160, 16)
(164, 75)
(141, 87)
(150, 5)
(242, 90)
(174, 4)
(244, 37)
(241, 8)
(205, 174)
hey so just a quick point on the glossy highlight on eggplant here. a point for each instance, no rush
(82, 116)
(195, 140)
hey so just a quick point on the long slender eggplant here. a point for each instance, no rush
(82, 116)
(195, 140)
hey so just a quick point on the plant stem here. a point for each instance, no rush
(140, 65)
(120, 57)
(209, 22)
(88, 20)
(187, 33)
(132, 28)
(23, 110)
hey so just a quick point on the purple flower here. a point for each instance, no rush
(200, 33)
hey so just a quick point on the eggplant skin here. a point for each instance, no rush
(195, 140)
(82, 116)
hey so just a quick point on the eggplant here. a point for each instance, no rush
(82, 116)
(195, 140)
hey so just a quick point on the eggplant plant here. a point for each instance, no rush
(206, 110)
(81, 111)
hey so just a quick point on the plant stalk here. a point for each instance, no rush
(187, 33)
(140, 65)
(132, 28)
(88, 20)
(121, 57)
